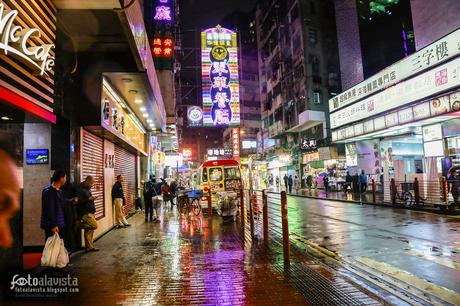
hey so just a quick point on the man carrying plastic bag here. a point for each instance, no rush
(55, 254)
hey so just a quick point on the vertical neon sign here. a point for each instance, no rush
(219, 70)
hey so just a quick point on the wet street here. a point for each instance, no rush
(416, 248)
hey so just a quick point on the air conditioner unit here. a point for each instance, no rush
(317, 98)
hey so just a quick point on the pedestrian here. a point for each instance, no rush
(52, 216)
(118, 198)
(148, 194)
(309, 182)
(297, 184)
(9, 200)
(86, 210)
(157, 198)
(286, 181)
(326, 183)
(173, 190)
(278, 182)
(454, 181)
(166, 193)
(363, 181)
(290, 183)
(348, 182)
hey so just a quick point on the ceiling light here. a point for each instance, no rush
(149, 120)
(143, 109)
(145, 115)
(132, 91)
(138, 101)
(127, 80)
(6, 118)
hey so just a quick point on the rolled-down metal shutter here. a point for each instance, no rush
(125, 165)
(92, 163)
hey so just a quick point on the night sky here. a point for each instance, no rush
(206, 13)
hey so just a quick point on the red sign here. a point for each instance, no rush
(187, 154)
(236, 142)
(162, 47)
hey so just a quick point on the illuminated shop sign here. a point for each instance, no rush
(187, 154)
(163, 47)
(16, 40)
(219, 64)
(427, 84)
(440, 51)
(308, 145)
(195, 116)
(164, 11)
(236, 142)
(220, 152)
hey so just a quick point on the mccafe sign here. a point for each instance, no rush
(15, 40)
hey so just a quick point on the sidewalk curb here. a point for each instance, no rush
(416, 209)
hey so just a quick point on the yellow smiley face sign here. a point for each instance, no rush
(219, 53)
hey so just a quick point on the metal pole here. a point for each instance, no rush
(373, 191)
(444, 190)
(242, 210)
(252, 197)
(265, 215)
(210, 203)
(285, 225)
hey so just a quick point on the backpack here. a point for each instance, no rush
(147, 187)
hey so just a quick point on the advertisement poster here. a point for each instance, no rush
(37, 156)
(219, 69)
(368, 156)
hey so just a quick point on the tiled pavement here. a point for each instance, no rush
(183, 261)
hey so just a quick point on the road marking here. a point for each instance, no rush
(440, 292)
(439, 260)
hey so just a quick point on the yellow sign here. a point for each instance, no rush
(159, 157)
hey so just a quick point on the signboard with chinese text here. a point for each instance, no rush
(236, 142)
(427, 84)
(308, 145)
(220, 152)
(219, 66)
(440, 51)
(187, 154)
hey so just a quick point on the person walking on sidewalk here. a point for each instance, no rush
(290, 183)
(286, 181)
(86, 210)
(52, 217)
(118, 198)
(363, 181)
(309, 182)
(157, 198)
(148, 194)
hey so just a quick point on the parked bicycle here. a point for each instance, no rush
(405, 196)
(189, 201)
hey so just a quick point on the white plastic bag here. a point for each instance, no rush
(54, 254)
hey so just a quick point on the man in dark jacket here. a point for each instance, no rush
(86, 210)
(118, 198)
(52, 218)
(148, 189)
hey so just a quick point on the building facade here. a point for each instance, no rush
(298, 71)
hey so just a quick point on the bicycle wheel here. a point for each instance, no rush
(407, 199)
(182, 203)
(196, 207)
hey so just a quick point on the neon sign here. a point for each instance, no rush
(219, 65)
(195, 116)
(236, 142)
(162, 47)
(163, 11)
(15, 39)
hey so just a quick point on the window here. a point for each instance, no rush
(232, 173)
(204, 175)
(314, 62)
(215, 174)
(312, 36)
(317, 97)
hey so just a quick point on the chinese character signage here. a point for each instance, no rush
(220, 152)
(236, 142)
(164, 11)
(163, 47)
(438, 52)
(308, 145)
(219, 65)
(194, 116)
(429, 83)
